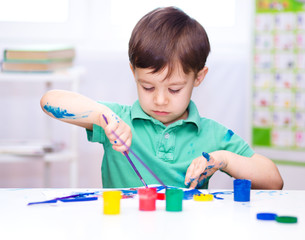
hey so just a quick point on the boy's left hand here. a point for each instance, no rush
(200, 169)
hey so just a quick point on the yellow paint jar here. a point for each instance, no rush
(203, 197)
(112, 202)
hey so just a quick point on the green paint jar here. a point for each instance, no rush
(174, 198)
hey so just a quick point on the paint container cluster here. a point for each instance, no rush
(147, 200)
(173, 197)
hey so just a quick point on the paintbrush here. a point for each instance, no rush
(128, 158)
(134, 167)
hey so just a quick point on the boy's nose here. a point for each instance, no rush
(160, 99)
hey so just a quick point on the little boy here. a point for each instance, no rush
(167, 53)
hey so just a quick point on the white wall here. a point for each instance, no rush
(101, 50)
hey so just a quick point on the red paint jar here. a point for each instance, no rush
(147, 199)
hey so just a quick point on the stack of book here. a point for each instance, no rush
(37, 59)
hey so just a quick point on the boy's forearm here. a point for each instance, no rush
(73, 108)
(260, 170)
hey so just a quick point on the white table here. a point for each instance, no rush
(219, 219)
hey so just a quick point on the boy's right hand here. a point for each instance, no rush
(121, 129)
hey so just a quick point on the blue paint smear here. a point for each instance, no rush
(200, 184)
(271, 192)
(228, 135)
(215, 194)
(190, 181)
(206, 155)
(62, 113)
(188, 194)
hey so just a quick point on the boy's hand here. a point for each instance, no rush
(201, 168)
(121, 129)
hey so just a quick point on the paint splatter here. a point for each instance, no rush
(202, 182)
(206, 156)
(210, 166)
(271, 192)
(220, 166)
(228, 135)
(188, 194)
(63, 113)
(215, 194)
(116, 118)
(190, 181)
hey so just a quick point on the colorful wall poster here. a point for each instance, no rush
(278, 82)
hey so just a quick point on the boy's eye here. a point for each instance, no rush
(148, 88)
(174, 90)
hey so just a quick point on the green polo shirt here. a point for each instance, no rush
(167, 150)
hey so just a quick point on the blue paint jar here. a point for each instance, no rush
(242, 189)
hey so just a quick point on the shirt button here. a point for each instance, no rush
(166, 135)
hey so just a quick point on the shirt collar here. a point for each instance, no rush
(193, 116)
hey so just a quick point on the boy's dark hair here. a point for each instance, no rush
(165, 37)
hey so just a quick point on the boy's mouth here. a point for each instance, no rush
(161, 113)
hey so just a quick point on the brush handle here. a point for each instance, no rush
(132, 152)
(135, 169)
(128, 158)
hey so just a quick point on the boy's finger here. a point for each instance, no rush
(121, 148)
(192, 180)
(188, 174)
(124, 140)
(201, 180)
(210, 172)
(194, 171)
(194, 183)
(109, 133)
(128, 142)
(195, 177)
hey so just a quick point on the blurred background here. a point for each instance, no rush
(99, 31)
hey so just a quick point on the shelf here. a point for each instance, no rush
(25, 150)
(67, 75)
(44, 151)
(62, 156)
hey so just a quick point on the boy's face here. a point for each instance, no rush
(166, 99)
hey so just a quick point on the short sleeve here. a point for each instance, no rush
(97, 134)
(232, 142)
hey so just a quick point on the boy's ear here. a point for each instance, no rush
(131, 67)
(200, 76)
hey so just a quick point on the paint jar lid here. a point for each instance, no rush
(203, 197)
(286, 219)
(266, 216)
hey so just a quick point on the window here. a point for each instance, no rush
(30, 21)
(220, 13)
(217, 17)
(52, 11)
